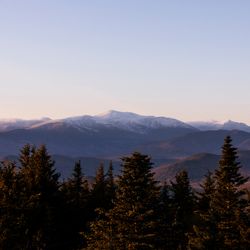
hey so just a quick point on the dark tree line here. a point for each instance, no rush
(131, 211)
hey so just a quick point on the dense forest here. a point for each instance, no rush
(39, 211)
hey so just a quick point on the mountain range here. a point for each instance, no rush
(170, 142)
(122, 120)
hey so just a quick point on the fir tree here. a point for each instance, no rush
(41, 200)
(166, 219)
(103, 232)
(132, 223)
(224, 222)
(11, 219)
(204, 235)
(98, 198)
(76, 187)
(110, 186)
(208, 188)
(228, 204)
(76, 193)
(183, 204)
(136, 203)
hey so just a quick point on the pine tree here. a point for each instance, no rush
(76, 187)
(103, 232)
(224, 222)
(98, 197)
(41, 200)
(11, 224)
(228, 204)
(132, 223)
(76, 193)
(183, 204)
(166, 219)
(208, 188)
(110, 186)
(25, 155)
(204, 235)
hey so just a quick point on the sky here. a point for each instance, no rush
(189, 60)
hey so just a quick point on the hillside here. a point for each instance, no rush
(172, 144)
(197, 166)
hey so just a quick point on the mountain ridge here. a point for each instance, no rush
(115, 134)
(122, 120)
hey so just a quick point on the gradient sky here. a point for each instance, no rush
(184, 59)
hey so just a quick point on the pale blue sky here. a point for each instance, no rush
(184, 59)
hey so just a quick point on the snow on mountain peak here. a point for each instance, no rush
(215, 125)
(236, 125)
(133, 121)
(10, 124)
(123, 120)
(113, 114)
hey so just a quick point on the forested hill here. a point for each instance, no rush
(131, 211)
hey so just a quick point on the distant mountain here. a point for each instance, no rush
(203, 125)
(121, 120)
(196, 143)
(197, 166)
(215, 125)
(11, 124)
(106, 136)
(231, 125)
(172, 144)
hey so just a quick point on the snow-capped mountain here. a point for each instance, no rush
(115, 134)
(232, 125)
(125, 120)
(206, 125)
(11, 124)
(215, 125)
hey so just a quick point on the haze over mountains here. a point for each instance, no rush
(122, 120)
(115, 134)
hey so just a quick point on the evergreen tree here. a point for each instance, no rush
(41, 200)
(208, 188)
(132, 223)
(228, 204)
(25, 155)
(224, 221)
(183, 204)
(166, 219)
(11, 224)
(98, 197)
(204, 235)
(76, 193)
(110, 186)
(76, 187)
(137, 200)
(103, 232)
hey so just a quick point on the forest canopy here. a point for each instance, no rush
(38, 210)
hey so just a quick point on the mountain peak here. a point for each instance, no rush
(215, 125)
(125, 121)
(231, 122)
(114, 114)
(231, 125)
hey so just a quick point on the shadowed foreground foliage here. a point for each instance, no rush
(132, 211)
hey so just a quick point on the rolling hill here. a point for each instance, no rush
(197, 166)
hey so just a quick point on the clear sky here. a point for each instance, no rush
(184, 59)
